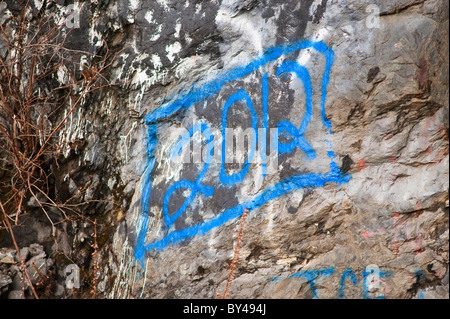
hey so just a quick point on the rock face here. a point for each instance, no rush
(339, 114)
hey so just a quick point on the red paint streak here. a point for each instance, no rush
(365, 234)
(361, 164)
(417, 206)
(392, 159)
(426, 127)
(386, 289)
(418, 247)
(418, 250)
(397, 219)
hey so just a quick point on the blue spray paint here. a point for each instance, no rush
(142, 223)
(421, 294)
(312, 276)
(286, 126)
(283, 187)
(239, 176)
(347, 273)
(194, 187)
(419, 277)
(199, 93)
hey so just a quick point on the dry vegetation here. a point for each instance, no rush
(41, 84)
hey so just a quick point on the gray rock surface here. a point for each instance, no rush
(4, 280)
(12, 279)
(369, 220)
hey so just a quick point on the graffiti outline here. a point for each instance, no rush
(283, 187)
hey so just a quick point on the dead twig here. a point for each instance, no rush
(95, 263)
(232, 266)
(23, 266)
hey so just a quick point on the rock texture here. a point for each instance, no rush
(356, 205)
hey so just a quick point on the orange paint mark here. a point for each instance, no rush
(361, 164)
(417, 206)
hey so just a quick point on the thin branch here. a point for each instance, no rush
(22, 261)
(232, 266)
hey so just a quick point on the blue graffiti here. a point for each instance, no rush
(312, 276)
(421, 294)
(199, 93)
(347, 273)
(288, 127)
(194, 187)
(237, 177)
(419, 276)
